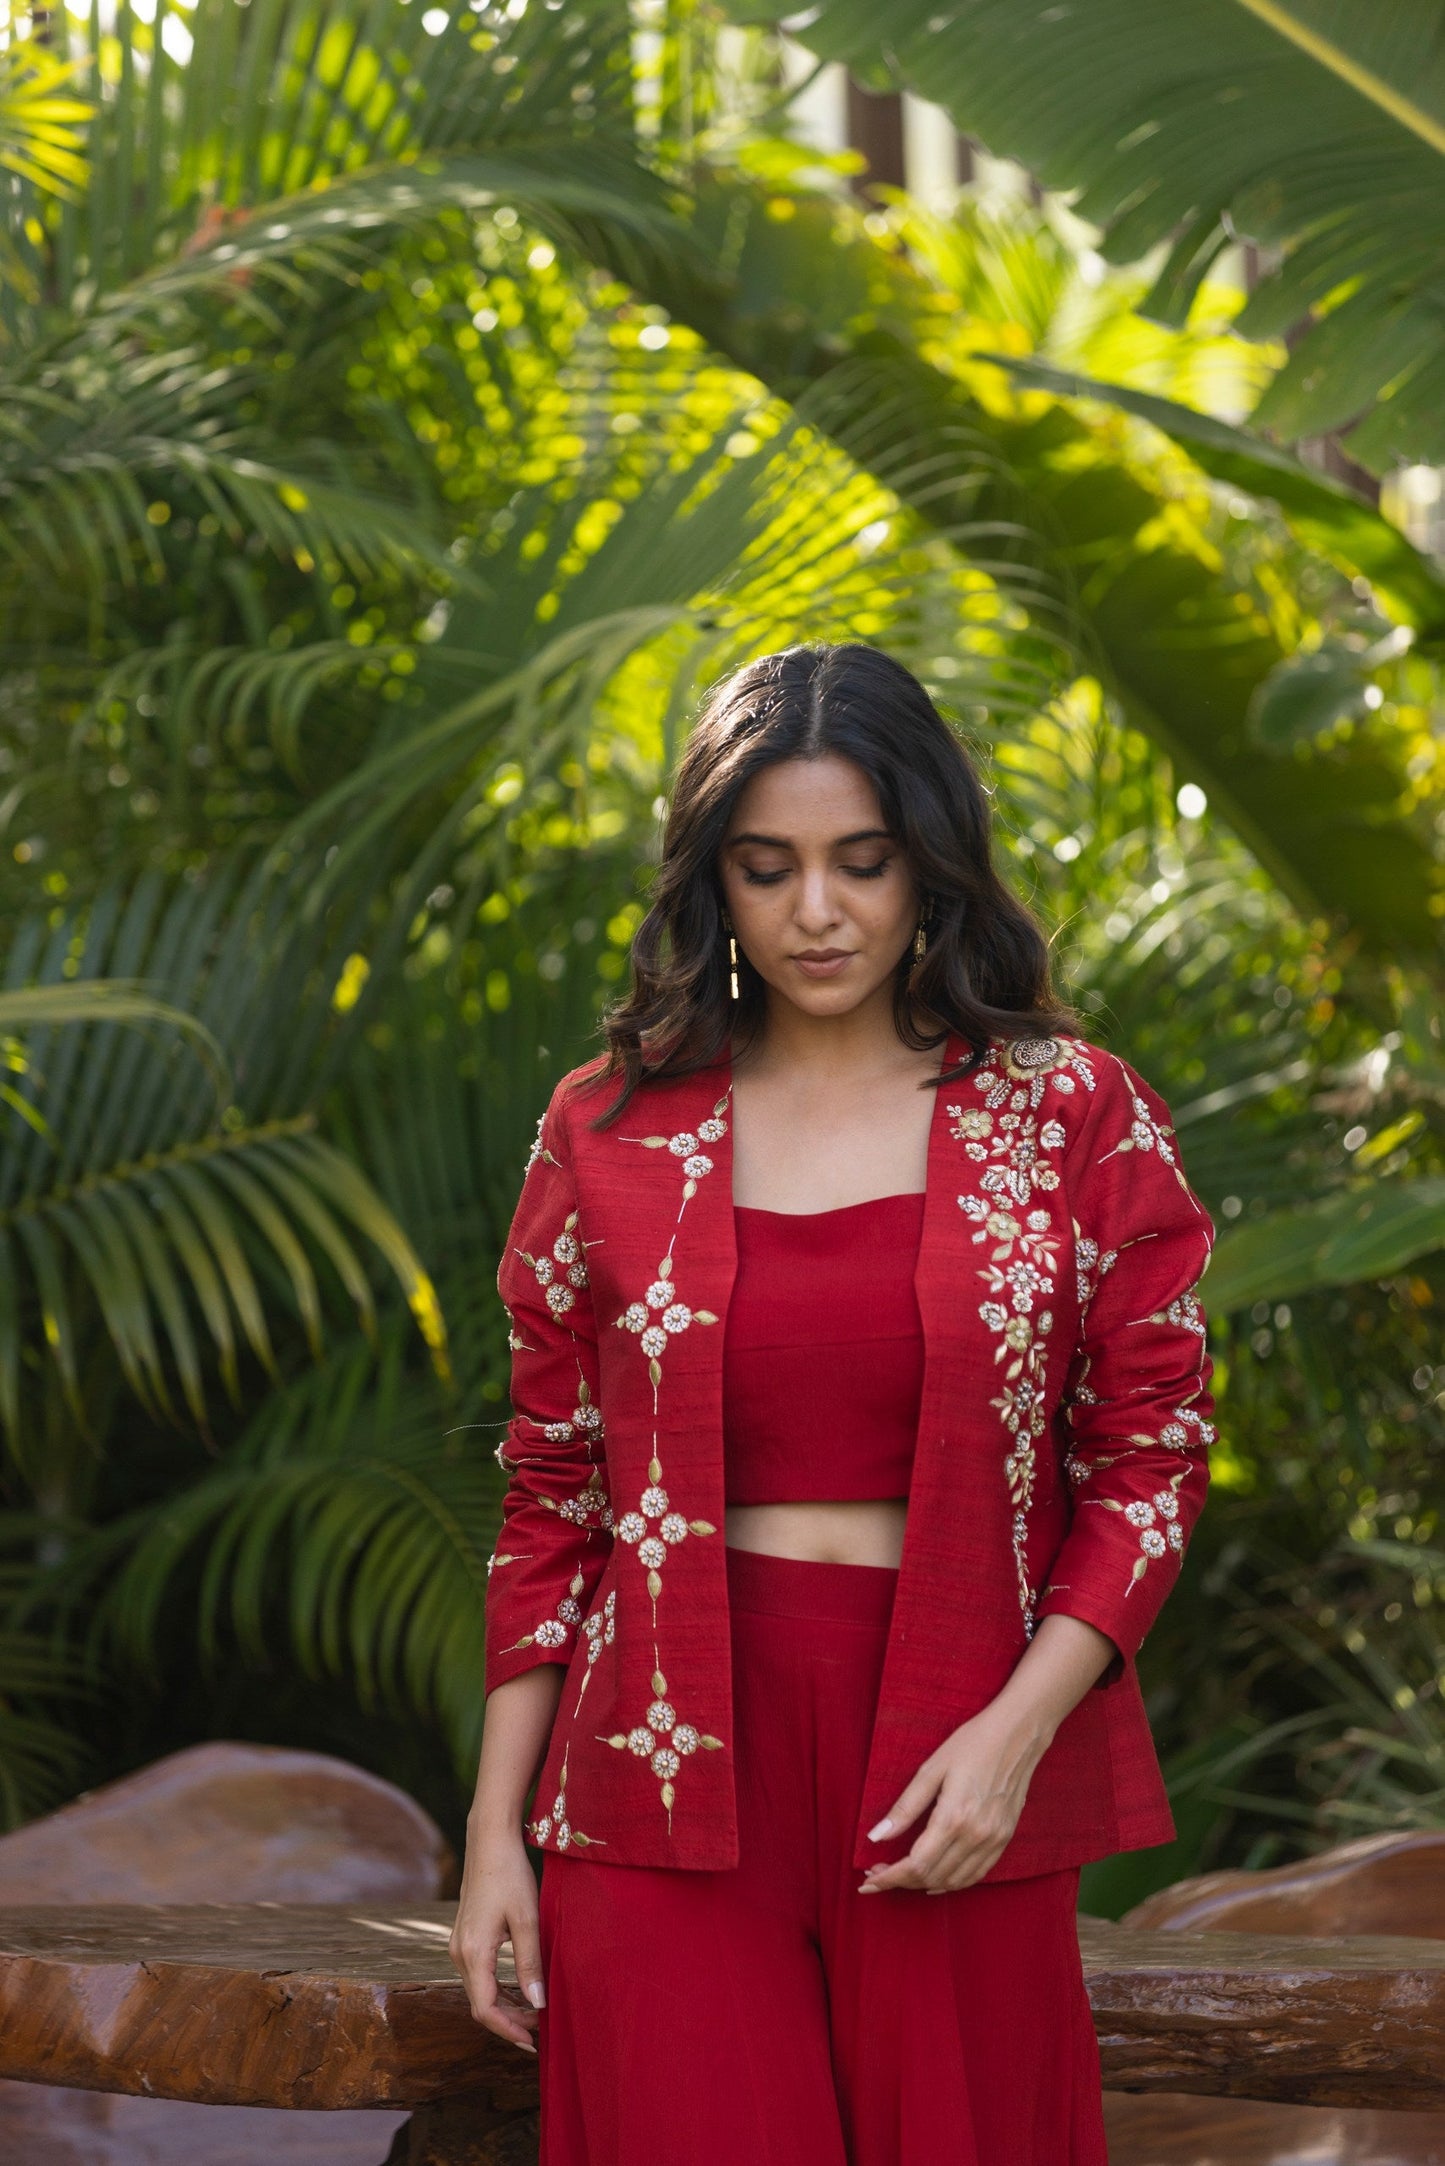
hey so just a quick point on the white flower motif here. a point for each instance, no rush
(653, 1501)
(677, 1318)
(683, 1145)
(542, 1265)
(673, 1527)
(712, 1130)
(558, 1432)
(635, 1316)
(550, 1633)
(564, 1834)
(631, 1527)
(1175, 1435)
(1166, 1504)
(652, 1553)
(685, 1738)
(659, 1294)
(1151, 1541)
(577, 1275)
(560, 1299)
(542, 1828)
(661, 1715)
(653, 1341)
(696, 1166)
(664, 1762)
(569, 1610)
(642, 1742)
(565, 1248)
(1175, 1535)
(1139, 1514)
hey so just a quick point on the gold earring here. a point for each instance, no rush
(920, 943)
(732, 955)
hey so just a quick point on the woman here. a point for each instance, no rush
(860, 1421)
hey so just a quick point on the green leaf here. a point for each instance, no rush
(1363, 1234)
(1307, 694)
(1179, 133)
(1325, 514)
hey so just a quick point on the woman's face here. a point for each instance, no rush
(822, 899)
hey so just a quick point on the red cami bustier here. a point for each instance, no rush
(823, 1353)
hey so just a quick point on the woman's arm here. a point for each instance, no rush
(499, 1889)
(978, 1779)
(555, 1537)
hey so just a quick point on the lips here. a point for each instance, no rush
(823, 962)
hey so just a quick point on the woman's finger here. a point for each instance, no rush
(527, 1955)
(919, 1794)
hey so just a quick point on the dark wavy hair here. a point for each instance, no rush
(986, 971)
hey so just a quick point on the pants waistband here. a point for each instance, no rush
(810, 1587)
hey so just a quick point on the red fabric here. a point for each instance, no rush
(1061, 1456)
(823, 1353)
(770, 2013)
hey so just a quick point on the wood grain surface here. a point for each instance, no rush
(351, 2006)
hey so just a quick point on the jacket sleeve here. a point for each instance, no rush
(1137, 1402)
(556, 1528)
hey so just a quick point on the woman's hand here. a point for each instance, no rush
(978, 1779)
(976, 1783)
(499, 1902)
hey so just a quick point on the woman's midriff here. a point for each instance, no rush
(838, 1531)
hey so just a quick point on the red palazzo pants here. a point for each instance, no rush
(769, 2014)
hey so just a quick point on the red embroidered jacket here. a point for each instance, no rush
(1061, 1457)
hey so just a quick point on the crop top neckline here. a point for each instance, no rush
(869, 1203)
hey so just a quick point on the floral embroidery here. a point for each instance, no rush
(553, 1631)
(555, 1824)
(591, 1507)
(696, 1165)
(662, 1741)
(538, 1150)
(1148, 1134)
(1156, 1520)
(1094, 1265)
(1175, 1432)
(1185, 1312)
(563, 1274)
(599, 1629)
(660, 1316)
(655, 1528)
(1006, 1138)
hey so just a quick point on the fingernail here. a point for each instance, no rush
(884, 1827)
(537, 1993)
(526, 2045)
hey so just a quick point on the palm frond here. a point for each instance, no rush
(137, 1201)
(1184, 132)
(347, 1519)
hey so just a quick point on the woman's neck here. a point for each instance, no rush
(863, 1042)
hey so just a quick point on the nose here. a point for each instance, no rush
(817, 909)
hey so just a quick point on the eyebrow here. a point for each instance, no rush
(781, 842)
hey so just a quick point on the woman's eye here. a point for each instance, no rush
(868, 872)
(762, 879)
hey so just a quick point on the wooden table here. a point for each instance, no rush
(347, 2006)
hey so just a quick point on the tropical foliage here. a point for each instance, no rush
(407, 412)
(1178, 134)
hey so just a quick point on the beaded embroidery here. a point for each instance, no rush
(1007, 1140)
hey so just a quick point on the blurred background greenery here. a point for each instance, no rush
(404, 410)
